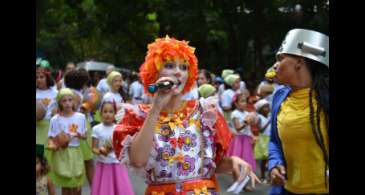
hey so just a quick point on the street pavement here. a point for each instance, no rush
(224, 181)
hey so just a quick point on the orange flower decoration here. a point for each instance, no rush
(178, 157)
(165, 50)
(46, 101)
(176, 142)
(72, 128)
(157, 193)
(203, 190)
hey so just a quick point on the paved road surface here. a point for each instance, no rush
(224, 180)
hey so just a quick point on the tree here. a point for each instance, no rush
(239, 34)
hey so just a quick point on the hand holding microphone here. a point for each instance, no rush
(164, 89)
(166, 84)
(152, 88)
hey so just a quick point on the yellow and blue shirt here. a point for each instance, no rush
(293, 144)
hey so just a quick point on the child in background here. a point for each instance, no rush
(111, 177)
(78, 81)
(232, 85)
(136, 89)
(204, 77)
(218, 81)
(222, 86)
(206, 90)
(251, 100)
(66, 130)
(114, 80)
(265, 91)
(45, 103)
(44, 185)
(208, 96)
(261, 146)
(241, 144)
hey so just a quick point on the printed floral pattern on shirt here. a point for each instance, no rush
(164, 155)
(72, 128)
(189, 140)
(186, 167)
(165, 174)
(165, 133)
(184, 147)
(46, 101)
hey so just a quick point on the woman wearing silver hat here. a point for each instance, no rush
(298, 148)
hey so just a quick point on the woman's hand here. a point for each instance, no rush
(247, 170)
(163, 96)
(233, 164)
(277, 175)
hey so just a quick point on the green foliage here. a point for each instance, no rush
(238, 34)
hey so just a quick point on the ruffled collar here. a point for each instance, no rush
(187, 108)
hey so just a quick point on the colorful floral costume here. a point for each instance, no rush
(187, 146)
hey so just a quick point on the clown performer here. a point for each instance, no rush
(45, 103)
(298, 147)
(176, 145)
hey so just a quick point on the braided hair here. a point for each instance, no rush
(320, 91)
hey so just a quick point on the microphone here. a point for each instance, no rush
(152, 88)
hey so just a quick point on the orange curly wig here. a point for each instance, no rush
(165, 50)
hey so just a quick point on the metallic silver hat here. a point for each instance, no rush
(306, 43)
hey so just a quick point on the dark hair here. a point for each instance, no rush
(49, 79)
(260, 110)
(123, 93)
(76, 79)
(238, 96)
(207, 75)
(134, 77)
(226, 86)
(113, 105)
(320, 86)
(109, 102)
(85, 76)
(44, 164)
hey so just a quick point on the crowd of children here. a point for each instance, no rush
(75, 122)
(190, 131)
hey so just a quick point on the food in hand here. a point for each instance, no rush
(104, 150)
(251, 119)
(52, 146)
(108, 144)
(62, 139)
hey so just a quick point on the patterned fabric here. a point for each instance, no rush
(186, 144)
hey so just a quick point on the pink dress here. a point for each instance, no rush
(241, 144)
(111, 177)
